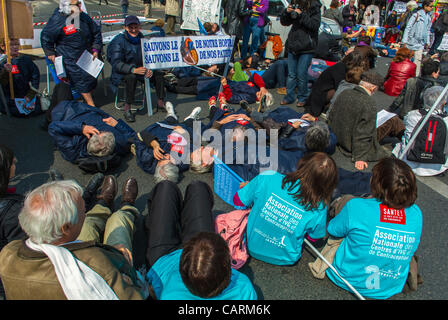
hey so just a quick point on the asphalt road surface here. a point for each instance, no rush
(36, 155)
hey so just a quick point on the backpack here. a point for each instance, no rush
(231, 227)
(430, 146)
(99, 164)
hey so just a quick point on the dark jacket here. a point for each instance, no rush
(397, 75)
(410, 97)
(123, 55)
(328, 80)
(68, 117)
(356, 134)
(56, 42)
(234, 10)
(443, 74)
(349, 19)
(334, 14)
(10, 207)
(28, 73)
(303, 36)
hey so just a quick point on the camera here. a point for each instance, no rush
(294, 14)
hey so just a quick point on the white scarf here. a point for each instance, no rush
(77, 280)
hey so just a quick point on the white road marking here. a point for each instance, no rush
(435, 184)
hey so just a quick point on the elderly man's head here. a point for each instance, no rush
(53, 213)
(166, 170)
(430, 97)
(101, 145)
(371, 81)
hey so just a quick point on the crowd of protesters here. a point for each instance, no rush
(65, 241)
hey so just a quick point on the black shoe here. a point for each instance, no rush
(94, 183)
(262, 106)
(129, 192)
(108, 192)
(245, 106)
(55, 175)
(129, 116)
(286, 132)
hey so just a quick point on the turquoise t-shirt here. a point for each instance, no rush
(377, 248)
(277, 223)
(168, 285)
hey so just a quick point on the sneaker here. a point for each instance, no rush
(211, 102)
(222, 101)
(170, 110)
(194, 114)
(281, 91)
(129, 116)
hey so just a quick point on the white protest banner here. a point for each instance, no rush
(444, 44)
(172, 52)
(205, 10)
(399, 7)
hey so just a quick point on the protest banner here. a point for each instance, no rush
(172, 52)
(226, 182)
(184, 51)
(204, 10)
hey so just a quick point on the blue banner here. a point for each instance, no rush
(226, 182)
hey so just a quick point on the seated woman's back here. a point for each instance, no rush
(285, 208)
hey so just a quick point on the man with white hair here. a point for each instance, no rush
(81, 131)
(70, 254)
(411, 122)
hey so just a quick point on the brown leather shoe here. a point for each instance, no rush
(108, 192)
(129, 192)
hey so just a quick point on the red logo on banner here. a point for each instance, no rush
(250, 84)
(14, 69)
(242, 122)
(178, 149)
(70, 29)
(391, 215)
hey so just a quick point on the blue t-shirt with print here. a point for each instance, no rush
(277, 223)
(377, 248)
(165, 278)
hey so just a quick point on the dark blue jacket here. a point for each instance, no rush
(54, 41)
(28, 72)
(68, 117)
(145, 156)
(123, 55)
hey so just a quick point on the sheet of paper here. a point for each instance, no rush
(59, 67)
(86, 62)
(383, 116)
(303, 124)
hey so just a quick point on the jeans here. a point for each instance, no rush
(298, 76)
(251, 28)
(275, 75)
(173, 220)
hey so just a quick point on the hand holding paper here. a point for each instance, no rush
(90, 65)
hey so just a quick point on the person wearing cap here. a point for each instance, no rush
(358, 135)
(124, 53)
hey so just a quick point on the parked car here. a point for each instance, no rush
(330, 35)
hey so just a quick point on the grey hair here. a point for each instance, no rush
(197, 167)
(168, 171)
(65, 6)
(101, 146)
(317, 137)
(430, 97)
(47, 208)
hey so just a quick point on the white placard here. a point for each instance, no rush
(444, 44)
(205, 10)
(172, 52)
(383, 116)
(86, 63)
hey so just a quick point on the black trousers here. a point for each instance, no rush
(131, 84)
(173, 220)
(187, 85)
(61, 92)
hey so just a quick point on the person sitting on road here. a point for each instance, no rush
(71, 254)
(24, 72)
(380, 234)
(358, 135)
(275, 236)
(124, 53)
(191, 262)
(410, 97)
(81, 131)
(400, 70)
(411, 120)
